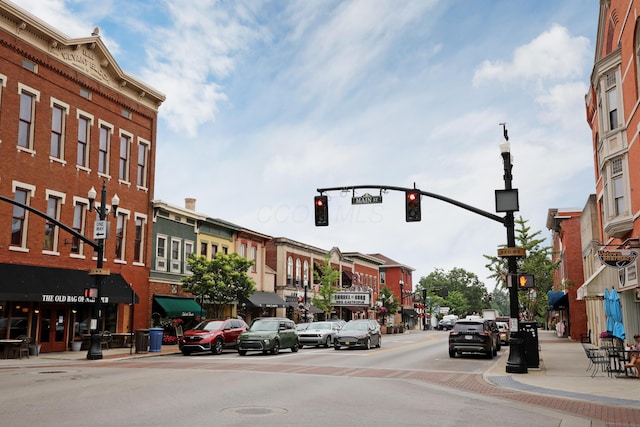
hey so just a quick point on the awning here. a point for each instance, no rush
(179, 306)
(315, 310)
(558, 300)
(60, 285)
(266, 300)
(410, 312)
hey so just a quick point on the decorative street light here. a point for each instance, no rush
(401, 302)
(100, 234)
(507, 201)
(306, 305)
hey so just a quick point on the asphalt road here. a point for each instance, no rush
(316, 386)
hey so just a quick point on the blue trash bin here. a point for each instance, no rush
(155, 339)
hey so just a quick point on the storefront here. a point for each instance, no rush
(263, 304)
(50, 305)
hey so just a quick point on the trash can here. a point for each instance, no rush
(529, 331)
(155, 339)
(142, 340)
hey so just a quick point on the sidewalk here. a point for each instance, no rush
(563, 373)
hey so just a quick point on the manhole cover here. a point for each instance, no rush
(253, 411)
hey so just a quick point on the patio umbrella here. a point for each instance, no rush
(607, 310)
(616, 314)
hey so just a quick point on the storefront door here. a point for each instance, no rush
(52, 328)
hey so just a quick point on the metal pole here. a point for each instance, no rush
(424, 309)
(95, 350)
(401, 303)
(516, 362)
(306, 314)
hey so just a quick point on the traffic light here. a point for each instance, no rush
(412, 205)
(525, 281)
(489, 297)
(321, 206)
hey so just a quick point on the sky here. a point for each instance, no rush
(267, 101)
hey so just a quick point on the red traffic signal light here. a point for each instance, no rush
(321, 207)
(412, 206)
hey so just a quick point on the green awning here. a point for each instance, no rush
(179, 306)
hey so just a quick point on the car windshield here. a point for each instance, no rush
(213, 325)
(355, 326)
(320, 325)
(301, 326)
(264, 325)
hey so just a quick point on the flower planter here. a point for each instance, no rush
(76, 345)
(390, 329)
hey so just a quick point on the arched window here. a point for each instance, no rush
(298, 272)
(305, 274)
(289, 270)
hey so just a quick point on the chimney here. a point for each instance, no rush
(190, 203)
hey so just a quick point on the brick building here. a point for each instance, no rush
(70, 120)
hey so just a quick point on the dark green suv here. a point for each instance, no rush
(269, 334)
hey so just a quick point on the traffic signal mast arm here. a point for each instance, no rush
(486, 214)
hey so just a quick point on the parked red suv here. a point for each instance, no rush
(213, 336)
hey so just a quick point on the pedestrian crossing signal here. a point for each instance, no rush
(525, 281)
(90, 292)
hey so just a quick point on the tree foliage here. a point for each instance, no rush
(458, 289)
(327, 276)
(388, 303)
(533, 303)
(221, 280)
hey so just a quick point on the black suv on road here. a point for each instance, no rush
(474, 335)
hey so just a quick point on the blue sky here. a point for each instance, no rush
(269, 100)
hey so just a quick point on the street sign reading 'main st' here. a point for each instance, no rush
(366, 199)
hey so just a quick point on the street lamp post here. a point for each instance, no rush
(507, 201)
(401, 302)
(424, 309)
(306, 307)
(100, 233)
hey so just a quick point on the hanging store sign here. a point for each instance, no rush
(620, 258)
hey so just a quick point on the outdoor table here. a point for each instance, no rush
(7, 343)
(624, 357)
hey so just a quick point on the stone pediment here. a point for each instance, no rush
(88, 55)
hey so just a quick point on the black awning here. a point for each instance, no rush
(179, 306)
(59, 285)
(558, 300)
(266, 300)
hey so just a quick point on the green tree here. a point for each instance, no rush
(472, 291)
(222, 280)
(533, 302)
(327, 277)
(388, 304)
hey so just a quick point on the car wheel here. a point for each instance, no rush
(242, 352)
(368, 344)
(336, 347)
(489, 353)
(379, 341)
(216, 348)
(295, 347)
(186, 353)
(276, 348)
(452, 354)
(328, 342)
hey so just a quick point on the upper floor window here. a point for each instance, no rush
(58, 118)
(123, 168)
(214, 250)
(141, 176)
(79, 215)
(26, 123)
(175, 255)
(85, 93)
(612, 100)
(84, 135)
(138, 245)
(19, 219)
(203, 249)
(188, 250)
(298, 271)
(243, 250)
(617, 180)
(54, 202)
(121, 226)
(30, 65)
(161, 253)
(289, 268)
(103, 149)
(254, 258)
(305, 272)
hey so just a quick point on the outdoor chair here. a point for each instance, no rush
(22, 348)
(106, 340)
(586, 338)
(601, 362)
(588, 349)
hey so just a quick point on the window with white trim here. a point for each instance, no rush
(79, 219)
(617, 181)
(19, 219)
(3, 84)
(123, 163)
(54, 204)
(243, 250)
(203, 249)
(138, 244)
(254, 258)
(289, 270)
(161, 253)
(85, 122)
(59, 112)
(104, 146)
(188, 250)
(26, 123)
(612, 100)
(305, 272)
(176, 259)
(141, 175)
(298, 272)
(121, 235)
